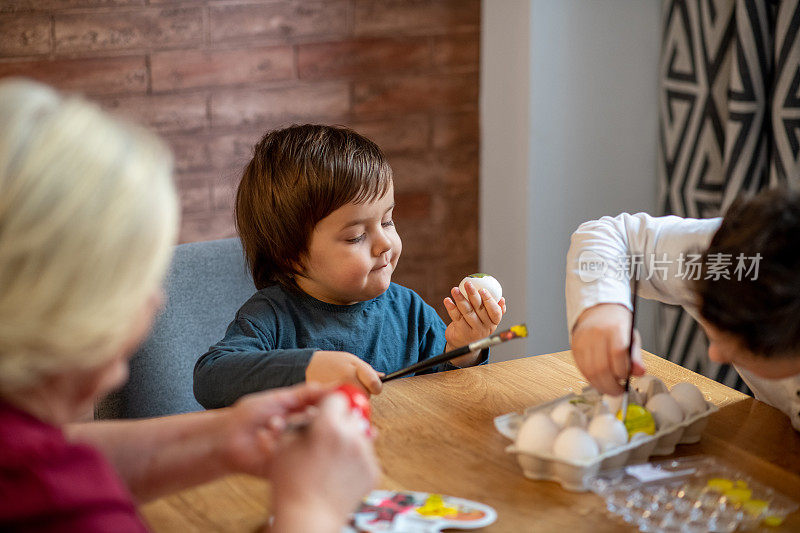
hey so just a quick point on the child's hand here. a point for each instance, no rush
(343, 367)
(475, 315)
(600, 347)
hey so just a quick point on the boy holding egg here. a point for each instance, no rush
(314, 213)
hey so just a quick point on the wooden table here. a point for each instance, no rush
(436, 435)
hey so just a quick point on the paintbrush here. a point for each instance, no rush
(514, 332)
(634, 298)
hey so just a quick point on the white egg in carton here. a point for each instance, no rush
(558, 447)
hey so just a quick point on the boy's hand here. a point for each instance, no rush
(474, 315)
(330, 367)
(600, 341)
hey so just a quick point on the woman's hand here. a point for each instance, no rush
(330, 367)
(251, 428)
(321, 472)
(474, 315)
(600, 347)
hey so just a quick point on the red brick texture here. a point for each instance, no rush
(211, 76)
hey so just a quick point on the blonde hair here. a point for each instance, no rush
(88, 216)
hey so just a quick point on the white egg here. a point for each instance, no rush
(665, 410)
(482, 281)
(649, 386)
(566, 414)
(608, 431)
(575, 445)
(689, 398)
(536, 434)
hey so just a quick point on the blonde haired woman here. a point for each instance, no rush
(88, 216)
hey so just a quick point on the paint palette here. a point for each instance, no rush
(417, 512)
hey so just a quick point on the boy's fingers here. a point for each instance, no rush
(459, 298)
(604, 379)
(452, 310)
(493, 310)
(596, 369)
(467, 311)
(473, 296)
(484, 316)
(369, 378)
(617, 362)
(502, 304)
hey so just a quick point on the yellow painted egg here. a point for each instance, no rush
(638, 420)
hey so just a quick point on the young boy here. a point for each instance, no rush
(314, 213)
(739, 276)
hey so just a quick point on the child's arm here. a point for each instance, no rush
(246, 361)
(474, 315)
(600, 261)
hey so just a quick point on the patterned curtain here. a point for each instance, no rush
(729, 121)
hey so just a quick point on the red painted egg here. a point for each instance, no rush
(358, 400)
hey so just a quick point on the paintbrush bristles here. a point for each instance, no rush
(496, 338)
(521, 330)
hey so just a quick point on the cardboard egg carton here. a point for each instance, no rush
(572, 474)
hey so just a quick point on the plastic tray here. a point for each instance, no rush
(690, 494)
(571, 475)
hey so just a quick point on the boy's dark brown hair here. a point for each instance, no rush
(764, 312)
(298, 176)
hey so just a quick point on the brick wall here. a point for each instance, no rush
(211, 76)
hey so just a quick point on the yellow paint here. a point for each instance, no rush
(738, 493)
(638, 420)
(520, 330)
(755, 507)
(720, 484)
(738, 496)
(772, 521)
(434, 506)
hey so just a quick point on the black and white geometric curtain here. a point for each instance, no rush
(729, 123)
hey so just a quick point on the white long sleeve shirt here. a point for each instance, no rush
(666, 249)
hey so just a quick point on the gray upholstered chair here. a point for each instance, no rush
(206, 283)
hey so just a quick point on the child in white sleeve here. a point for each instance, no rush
(744, 290)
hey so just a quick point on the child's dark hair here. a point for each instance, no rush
(298, 176)
(764, 312)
